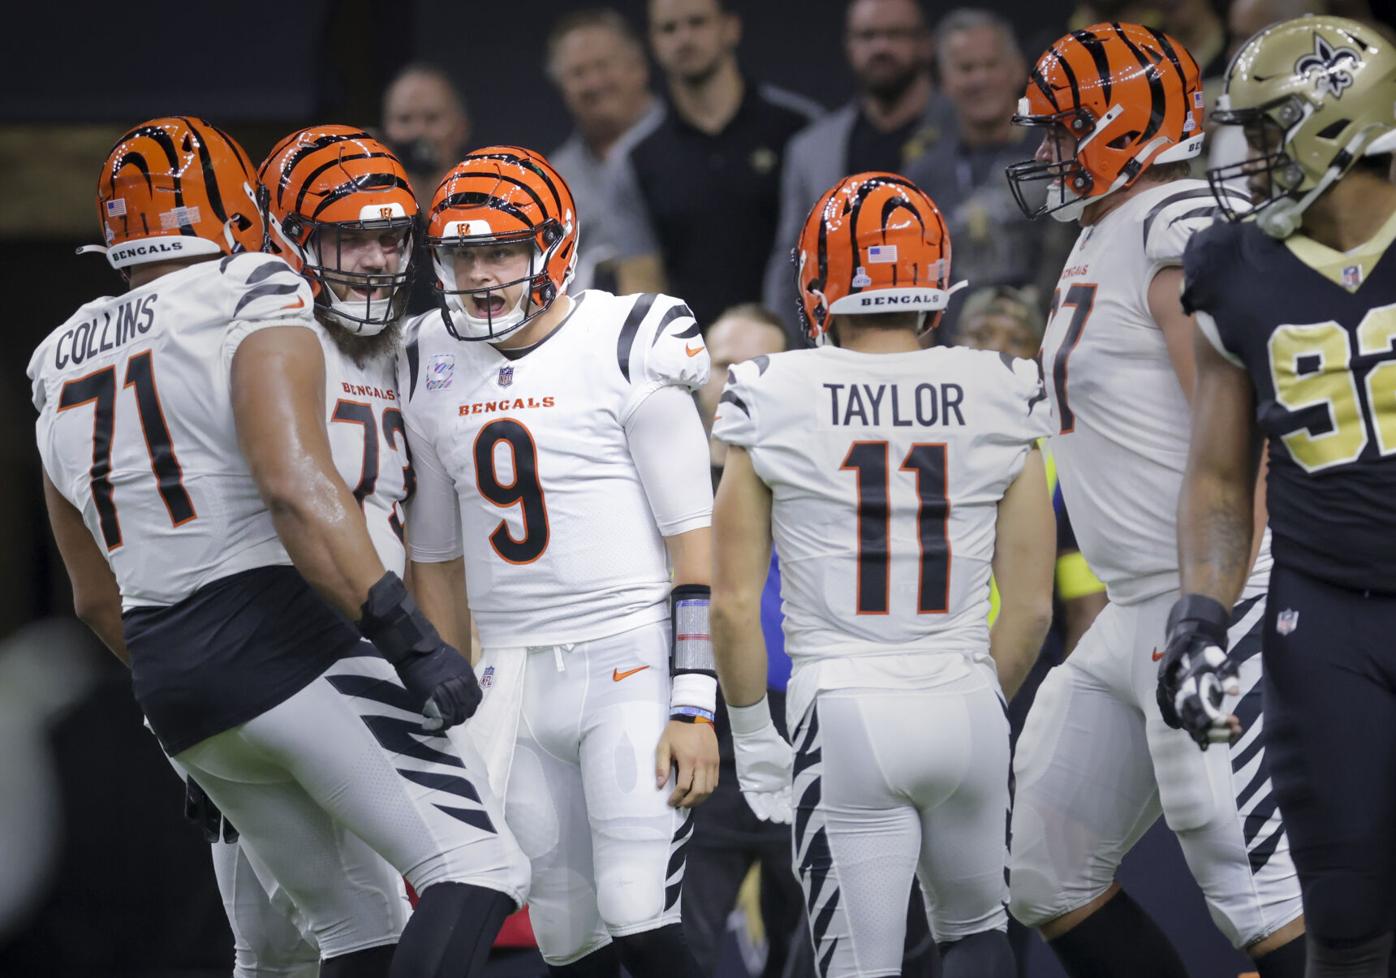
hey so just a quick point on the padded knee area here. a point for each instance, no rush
(627, 898)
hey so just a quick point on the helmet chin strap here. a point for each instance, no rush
(1285, 215)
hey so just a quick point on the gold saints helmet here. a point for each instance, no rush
(1314, 95)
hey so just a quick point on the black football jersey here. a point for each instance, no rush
(1316, 336)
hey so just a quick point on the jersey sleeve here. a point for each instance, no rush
(433, 514)
(1205, 261)
(735, 420)
(660, 345)
(1171, 223)
(670, 451)
(1028, 401)
(261, 291)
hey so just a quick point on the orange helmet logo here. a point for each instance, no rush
(1113, 100)
(873, 243)
(176, 187)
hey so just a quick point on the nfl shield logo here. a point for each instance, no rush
(1352, 276)
(441, 371)
(1286, 621)
(506, 376)
(487, 677)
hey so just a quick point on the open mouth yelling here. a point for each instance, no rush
(487, 305)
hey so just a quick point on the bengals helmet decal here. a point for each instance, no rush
(1114, 99)
(872, 243)
(502, 195)
(326, 185)
(175, 187)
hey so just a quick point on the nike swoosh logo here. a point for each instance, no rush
(693, 351)
(617, 675)
(300, 301)
(1157, 655)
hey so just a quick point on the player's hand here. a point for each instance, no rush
(691, 749)
(765, 762)
(765, 769)
(443, 682)
(1195, 675)
(200, 809)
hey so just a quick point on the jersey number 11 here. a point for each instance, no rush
(869, 460)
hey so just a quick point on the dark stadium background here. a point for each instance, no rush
(99, 874)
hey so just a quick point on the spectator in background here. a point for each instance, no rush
(893, 119)
(728, 838)
(696, 198)
(599, 67)
(426, 123)
(982, 72)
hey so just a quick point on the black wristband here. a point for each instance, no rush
(394, 624)
(1200, 614)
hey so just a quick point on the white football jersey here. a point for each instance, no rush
(368, 438)
(523, 466)
(1122, 422)
(886, 472)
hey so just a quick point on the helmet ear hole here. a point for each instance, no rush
(1333, 130)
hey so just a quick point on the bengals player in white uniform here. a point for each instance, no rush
(180, 504)
(1121, 107)
(561, 469)
(892, 480)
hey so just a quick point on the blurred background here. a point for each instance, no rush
(695, 134)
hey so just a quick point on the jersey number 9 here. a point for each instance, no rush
(524, 491)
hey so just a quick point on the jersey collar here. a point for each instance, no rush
(1348, 269)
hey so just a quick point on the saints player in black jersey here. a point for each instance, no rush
(1296, 304)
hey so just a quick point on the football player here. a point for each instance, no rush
(892, 479)
(183, 432)
(1296, 304)
(1121, 110)
(561, 470)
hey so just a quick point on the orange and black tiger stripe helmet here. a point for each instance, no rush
(502, 194)
(175, 187)
(1114, 100)
(873, 243)
(322, 181)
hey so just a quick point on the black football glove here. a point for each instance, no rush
(1195, 674)
(200, 809)
(435, 674)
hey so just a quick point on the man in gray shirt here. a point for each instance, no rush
(982, 73)
(895, 118)
(598, 64)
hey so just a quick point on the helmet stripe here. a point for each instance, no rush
(1096, 50)
(1157, 96)
(367, 181)
(215, 198)
(475, 198)
(1036, 77)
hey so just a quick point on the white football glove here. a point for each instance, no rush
(765, 762)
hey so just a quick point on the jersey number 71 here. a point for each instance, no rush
(99, 389)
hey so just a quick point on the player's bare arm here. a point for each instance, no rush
(439, 589)
(1215, 534)
(689, 748)
(1177, 326)
(96, 600)
(1025, 556)
(1215, 507)
(278, 392)
(278, 384)
(742, 559)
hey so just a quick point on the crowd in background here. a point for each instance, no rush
(693, 180)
